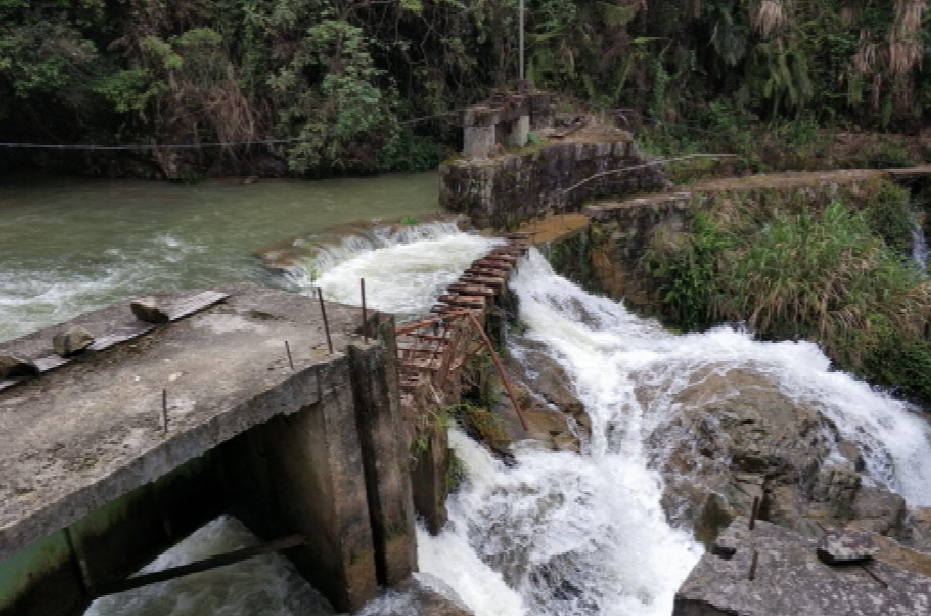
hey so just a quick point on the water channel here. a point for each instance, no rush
(556, 533)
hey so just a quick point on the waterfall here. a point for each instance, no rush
(560, 533)
(404, 269)
(919, 245)
(585, 534)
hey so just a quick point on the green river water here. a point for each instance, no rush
(68, 246)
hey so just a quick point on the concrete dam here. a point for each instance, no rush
(284, 411)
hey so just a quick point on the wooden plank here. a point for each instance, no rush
(121, 334)
(463, 300)
(495, 263)
(471, 289)
(50, 362)
(220, 560)
(487, 271)
(491, 281)
(189, 305)
(11, 382)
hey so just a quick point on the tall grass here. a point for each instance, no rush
(823, 275)
(787, 269)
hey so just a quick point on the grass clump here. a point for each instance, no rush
(822, 273)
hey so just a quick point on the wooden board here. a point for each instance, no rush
(189, 305)
(121, 334)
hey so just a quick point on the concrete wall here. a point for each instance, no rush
(518, 186)
(50, 577)
(317, 451)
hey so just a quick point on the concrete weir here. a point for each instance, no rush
(93, 486)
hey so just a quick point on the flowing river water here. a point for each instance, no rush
(554, 533)
(69, 246)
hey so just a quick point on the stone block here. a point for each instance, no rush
(72, 341)
(12, 367)
(846, 546)
(147, 309)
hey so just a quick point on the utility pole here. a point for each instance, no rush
(520, 39)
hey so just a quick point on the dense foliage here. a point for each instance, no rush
(343, 75)
(787, 267)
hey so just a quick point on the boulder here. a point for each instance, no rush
(12, 367)
(423, 595)
(737, 436)
(72, 341)
(147, 309)
(547, 379)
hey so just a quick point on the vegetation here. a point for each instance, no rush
(337, 80)
(790, 268)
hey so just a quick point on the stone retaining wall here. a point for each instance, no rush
(525, 184)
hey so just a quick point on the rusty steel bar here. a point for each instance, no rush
(287, 347)
(365, 314)
(497, 360)
(165, 411)
(753, 562)
(212, 562)
(326, 322)
(754, 511)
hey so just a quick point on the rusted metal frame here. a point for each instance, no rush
(412, 327)
(451, 350)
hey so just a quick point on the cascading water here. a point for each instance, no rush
(585, 534)
(919, 245)
(404, 269)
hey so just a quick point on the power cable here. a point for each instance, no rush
(184, 146)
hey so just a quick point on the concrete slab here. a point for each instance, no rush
(76, 438)
(774, 571)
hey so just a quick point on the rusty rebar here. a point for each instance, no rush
(287, 347)
(165, 411)
(365, 314)
(753, 562)
(500, 366)
(754, 511)
(326, 322)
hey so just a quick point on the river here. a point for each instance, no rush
(554, 533)
(69, 246)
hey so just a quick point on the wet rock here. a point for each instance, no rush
(878, 510)
(919, 526)
(72, 341)
(12, 367)
(424, 595)
(147, 309)
(737, 436)
(548, 381)
(846, 546)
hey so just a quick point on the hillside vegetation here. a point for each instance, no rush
(344, 77)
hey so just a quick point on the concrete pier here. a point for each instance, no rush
(93, 486)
